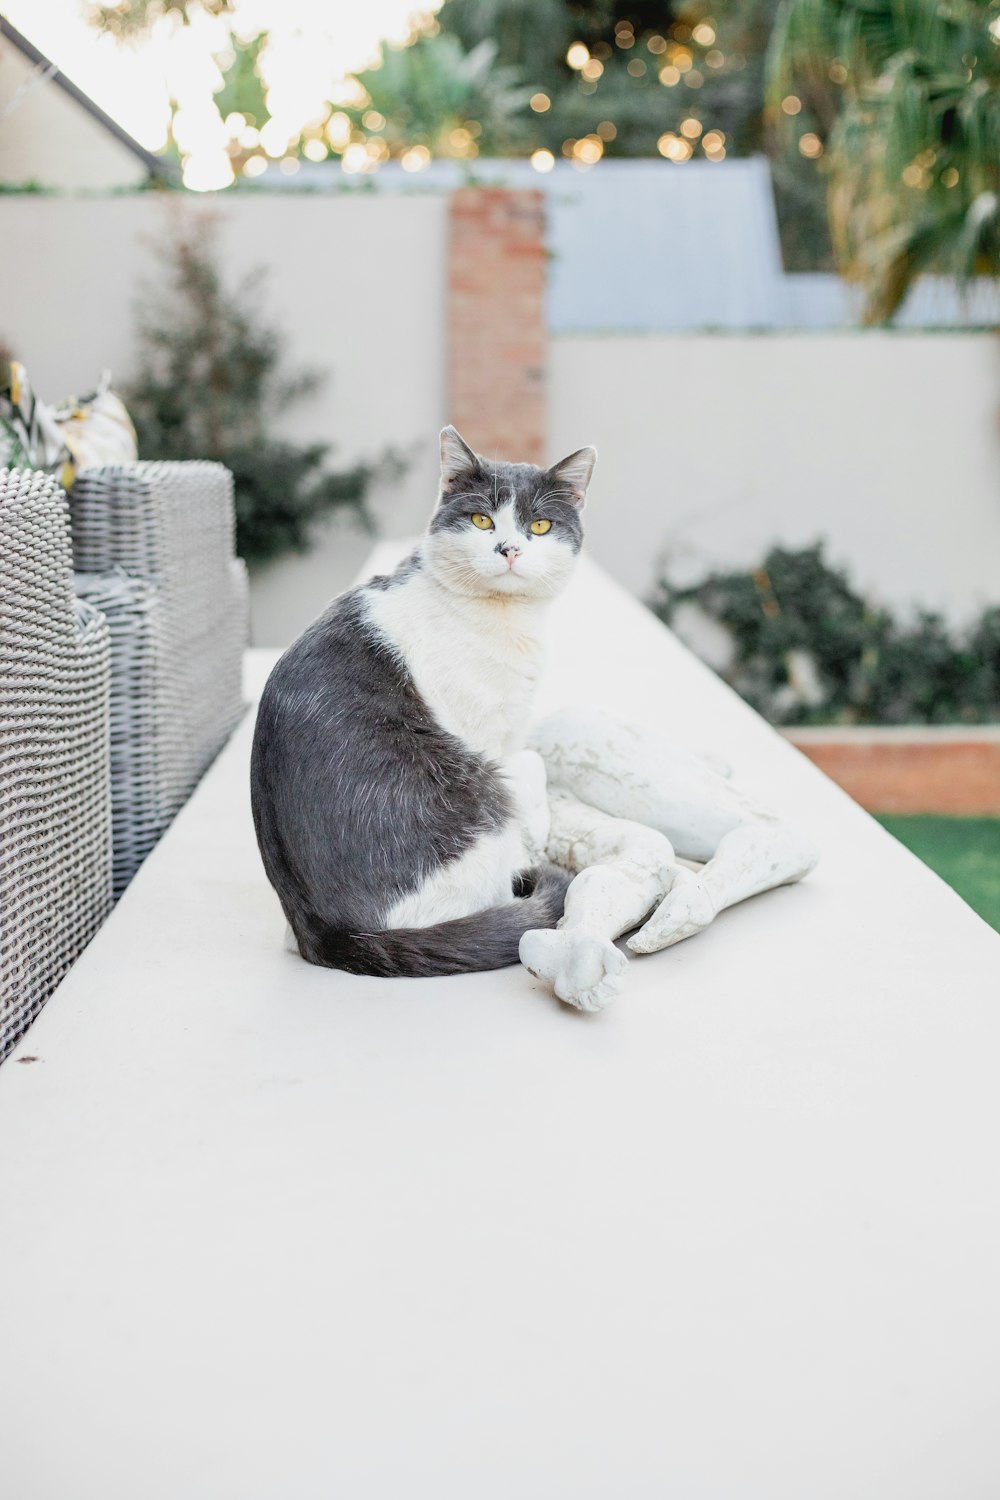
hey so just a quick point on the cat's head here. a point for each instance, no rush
(507, 530)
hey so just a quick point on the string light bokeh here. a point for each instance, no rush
(314, 109)
(313, 48)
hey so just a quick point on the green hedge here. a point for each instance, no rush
(807, 648)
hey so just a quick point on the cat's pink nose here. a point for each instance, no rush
(510, 551)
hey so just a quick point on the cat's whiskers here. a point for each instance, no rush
(537, 499)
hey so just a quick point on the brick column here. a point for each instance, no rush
(496, 321)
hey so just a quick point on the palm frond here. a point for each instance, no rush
(913, 160)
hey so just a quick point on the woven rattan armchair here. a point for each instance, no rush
(55, 806)
(142, 741)
(159, 536)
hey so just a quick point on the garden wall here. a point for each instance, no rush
(355, 282)
(714, 446)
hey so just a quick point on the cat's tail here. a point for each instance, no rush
(486, 940)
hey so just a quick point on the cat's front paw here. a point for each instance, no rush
(686, 909)
(584, 969)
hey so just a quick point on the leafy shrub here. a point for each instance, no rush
(806, 648)
(210, 385)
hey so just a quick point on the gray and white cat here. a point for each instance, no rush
(394, 804)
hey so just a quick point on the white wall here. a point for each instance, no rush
(355, 283)
(50, 139)
(712, 447)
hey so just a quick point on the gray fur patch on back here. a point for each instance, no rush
(405, 570)
(358, 795)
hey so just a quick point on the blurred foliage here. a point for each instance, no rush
(881, 118)
(907, 97)
(242, 88)
(682, 75)
(719, 76)
(432, 92)
(806, 648)
(716, 73)
(126, 19)
(493, 78)
(242, 96)
(210, 385)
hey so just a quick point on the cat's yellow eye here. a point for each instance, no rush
(483, 522)
(541, 527)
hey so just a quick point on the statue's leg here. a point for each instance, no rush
(641, 775)
(757, 856)
(524, 773)
(624, 871)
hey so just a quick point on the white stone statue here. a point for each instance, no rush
(623, 806)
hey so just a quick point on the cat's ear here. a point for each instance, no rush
(457, 457)
(573, 473)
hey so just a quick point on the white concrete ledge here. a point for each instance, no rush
(269, 1232)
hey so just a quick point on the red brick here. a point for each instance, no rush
(944, 772)
(496, 321)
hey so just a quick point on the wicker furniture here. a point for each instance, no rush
(55, 811)
(113, 702)
(159, 537)
(141, 745)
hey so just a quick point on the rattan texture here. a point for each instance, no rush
(142, 752)
(55, 805)
(172, 526)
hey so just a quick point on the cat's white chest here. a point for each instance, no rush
(475, 665)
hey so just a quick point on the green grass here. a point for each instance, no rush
(964, 851)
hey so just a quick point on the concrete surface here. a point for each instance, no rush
(269, 1231)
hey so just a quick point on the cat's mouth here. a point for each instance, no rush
(508, 582)
(509, 570)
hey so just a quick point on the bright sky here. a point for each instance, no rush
(314, 42)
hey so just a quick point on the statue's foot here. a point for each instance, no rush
(584, 969)
(686, 909)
